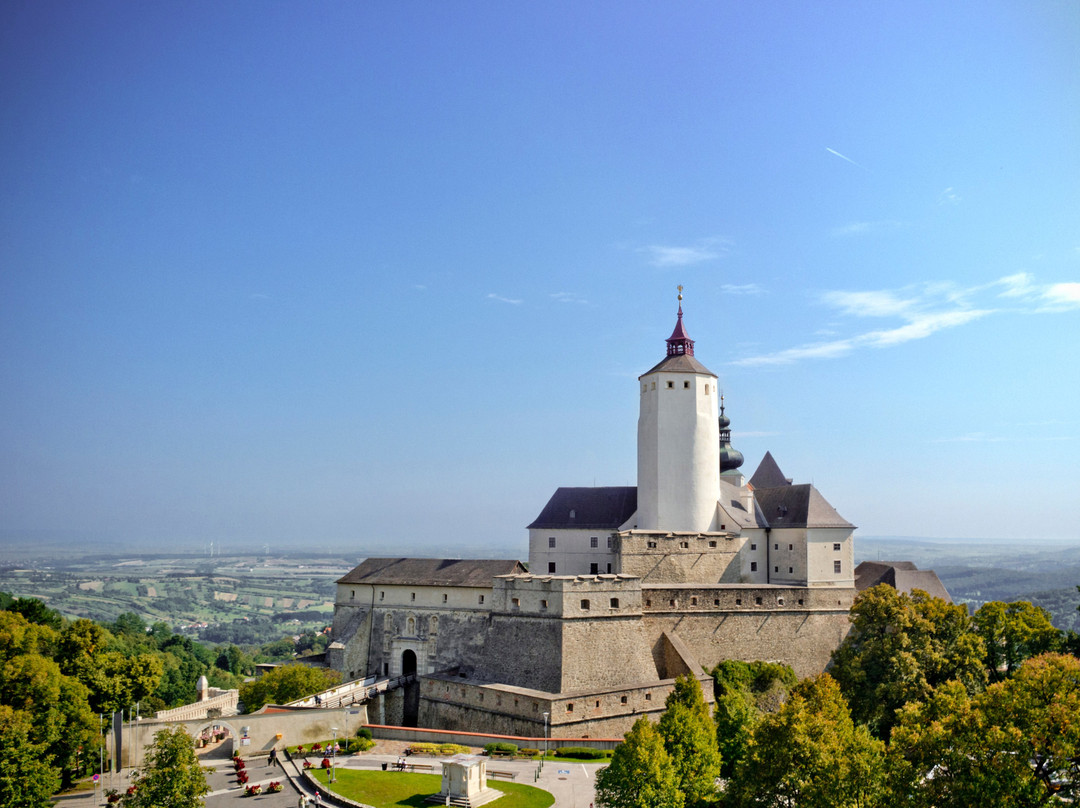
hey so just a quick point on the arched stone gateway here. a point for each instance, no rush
(207, 743)
(408, 662)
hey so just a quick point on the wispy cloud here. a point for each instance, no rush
(501, 299)
(741, 289)
(843, 157)
(1049, 297)
(859, 228)
(922, 311)
(949, 197)
(666, 255)
(568, 297)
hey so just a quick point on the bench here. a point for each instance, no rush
(493, 773)
(501, 753)
(425, 766)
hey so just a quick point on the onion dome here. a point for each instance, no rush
(730, 459)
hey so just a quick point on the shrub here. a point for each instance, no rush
(241, 777)
(530, 752)
(581, 753)
(501, 746)
(274, 787)
(363, 732)
(447, 749)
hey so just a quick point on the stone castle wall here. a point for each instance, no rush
(681, 557)
(795, 625)
(449, 703)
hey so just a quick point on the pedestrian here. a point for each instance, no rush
(318, 798)
(273, 756)
(303, 801)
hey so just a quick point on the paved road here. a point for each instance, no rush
(570, 783)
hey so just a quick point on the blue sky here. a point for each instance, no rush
(384, 273)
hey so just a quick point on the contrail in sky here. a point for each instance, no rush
(842, 157)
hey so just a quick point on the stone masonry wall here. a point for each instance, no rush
(798, 626)
(681, 557)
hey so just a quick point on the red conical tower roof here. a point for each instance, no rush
(679, 343)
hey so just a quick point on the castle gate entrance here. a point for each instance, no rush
(411, 706)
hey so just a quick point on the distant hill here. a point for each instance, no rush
(975, 571)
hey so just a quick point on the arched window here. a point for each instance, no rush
(410, 626)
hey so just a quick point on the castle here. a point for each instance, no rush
(626, 587)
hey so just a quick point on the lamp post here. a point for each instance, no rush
(545, 736)
(334, 761)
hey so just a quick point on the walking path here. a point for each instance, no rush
(572, 784)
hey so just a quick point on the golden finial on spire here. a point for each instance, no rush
(680, 293)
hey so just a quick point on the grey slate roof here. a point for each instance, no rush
(903, 576)
(604, 508)
(680, 363)
(798, 506)
(431, 571)
(768, 474)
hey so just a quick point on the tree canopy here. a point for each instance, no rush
(171, 776)
(900, 648)
(286, 683)
(640, 774)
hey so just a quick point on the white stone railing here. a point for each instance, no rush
(226, 702)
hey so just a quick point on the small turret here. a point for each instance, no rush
(730, 459)
(202, 689)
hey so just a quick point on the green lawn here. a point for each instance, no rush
(395, 789)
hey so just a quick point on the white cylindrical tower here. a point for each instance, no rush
(678, 441)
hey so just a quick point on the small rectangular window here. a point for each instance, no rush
(584, 605)
(594, 542)
(686, 385)
(444, 598)
(790, 570)
(738, 601)
(648, 697)
(776, 546)
(753, 566)
(712, 543)
(551, 568)
(836, 565)
(481, 599)
(543, 604)
(776, 569)
(753, 546)
(551, 541)
(570, 707)
(652, 545)
(836, 547)
(685, 545)
(693, 601)
(352, 595)
(609, 542)
(609, 567)
(671, 385)
(622, 700)
(614, 603)
(757, 601)
(791, 546)
(412, 596)
(516, 602)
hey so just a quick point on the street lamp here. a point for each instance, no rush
(546, 734)
(334, 763)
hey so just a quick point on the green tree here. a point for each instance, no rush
(810, 754)
(171, 776)
(117, 682)
(1013, 632)
(1014, 746)
(900, 648)
(27, 778)
(286, 683)
(690, 740)
(735, 718)
(640, 774)
(35, 611)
